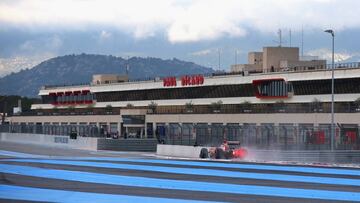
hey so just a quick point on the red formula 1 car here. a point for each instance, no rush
(228, 150)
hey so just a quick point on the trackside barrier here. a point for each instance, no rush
(178, 151)
(266, 136)
(87, 143)
(304, 156)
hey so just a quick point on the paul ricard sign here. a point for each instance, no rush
(187, 80)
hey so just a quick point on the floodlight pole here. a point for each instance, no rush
(332, 91)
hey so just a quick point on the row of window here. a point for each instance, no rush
(178, 93)
(273, 88)
(341, 86)
(68, 99)
(74, 98)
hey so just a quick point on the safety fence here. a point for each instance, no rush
(79, 130)
(266, 136)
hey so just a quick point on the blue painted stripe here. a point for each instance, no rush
(203, 172)
(319, 170)
(200, 163)
(178, 184)
(50, 195)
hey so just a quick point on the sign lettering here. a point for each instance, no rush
(187, 80)
(169, 82)
(192, 80)
(63, 140)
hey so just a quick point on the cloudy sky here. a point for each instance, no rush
(194, 30)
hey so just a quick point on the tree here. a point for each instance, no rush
(246, 106)
(108, 108)
(357, 104)
(129, 105)
(55, 109)
(189, 107)
(216, 106)
(279, 106)
(316, 105)
(152, 106)
(71, 109)
(7, 103)
(90, 108)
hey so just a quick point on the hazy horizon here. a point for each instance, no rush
(35, 30)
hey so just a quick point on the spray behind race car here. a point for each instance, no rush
(227, 150)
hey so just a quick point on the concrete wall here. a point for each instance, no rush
(273, 55)
(302, 65)
(255, 58)
(178, 151)
(109, 78)
(133, 111)
(323, 156)
(148, 145)
(250, 68)
(86, 143)
(68, 119)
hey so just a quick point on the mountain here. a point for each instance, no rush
(354, 58)
(76, 69)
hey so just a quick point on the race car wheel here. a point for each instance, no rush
(219, 153)
(229, 154)
(204, 153)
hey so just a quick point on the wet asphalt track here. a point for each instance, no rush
(32, 173)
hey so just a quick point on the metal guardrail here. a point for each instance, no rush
(344, 65)
(349, 65)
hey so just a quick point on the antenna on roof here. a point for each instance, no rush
(127, 66)
(280, 42)
(302, 41)
(219, 57)
(280, 38)
(290, 38)
(236, 56)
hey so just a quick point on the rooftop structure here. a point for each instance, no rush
(275, 59)
(109, 78)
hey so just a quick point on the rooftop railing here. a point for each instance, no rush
(349, 65)
(344, 65)
(64, 85)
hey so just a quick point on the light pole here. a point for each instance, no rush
(219, 58)
(332, 91)
(236, 56)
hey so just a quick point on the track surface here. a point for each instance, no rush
(31, 173)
